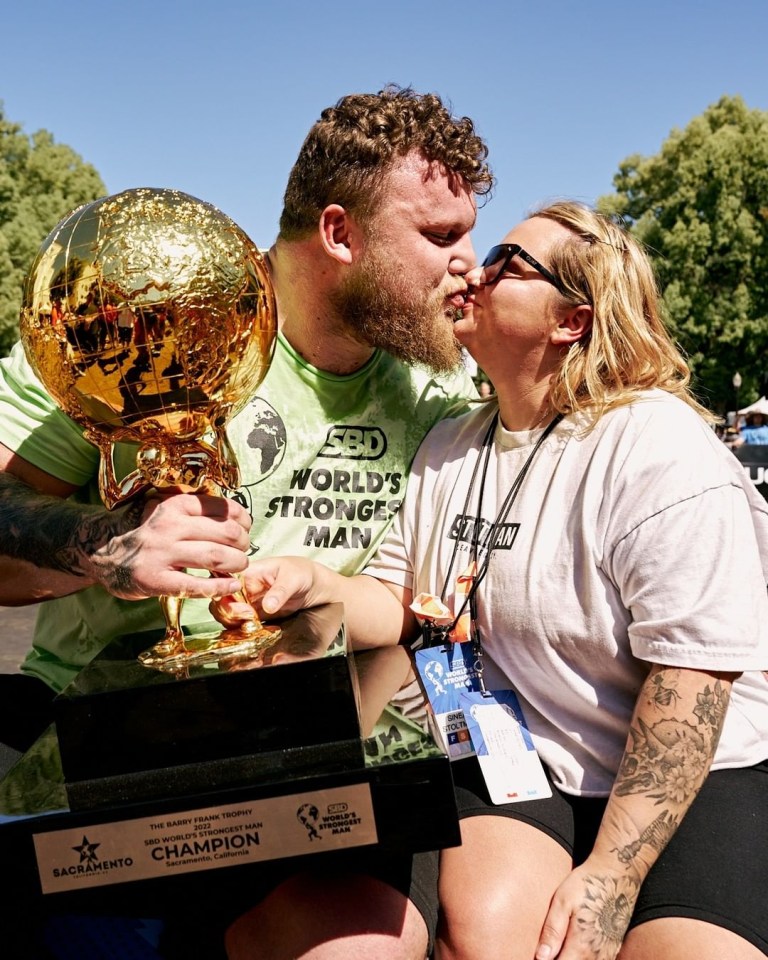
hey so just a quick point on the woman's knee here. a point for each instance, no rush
(495, 889)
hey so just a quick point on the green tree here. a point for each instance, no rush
(701, 207)
(40, 182)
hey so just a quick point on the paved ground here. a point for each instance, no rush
(15, 635)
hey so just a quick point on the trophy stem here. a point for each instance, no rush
(172, 645)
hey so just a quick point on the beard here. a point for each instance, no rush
(375, 306)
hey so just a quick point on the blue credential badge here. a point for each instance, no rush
(511, 767)
(446, 673)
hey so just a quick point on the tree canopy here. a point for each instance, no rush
(701, 207)
(40, 182)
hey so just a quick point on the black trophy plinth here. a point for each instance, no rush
(130, 732)
(150, 779)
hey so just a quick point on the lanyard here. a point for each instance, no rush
(435, 634)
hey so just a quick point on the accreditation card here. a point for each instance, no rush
(510, 765)
(446, 672)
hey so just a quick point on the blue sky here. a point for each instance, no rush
(216, 98)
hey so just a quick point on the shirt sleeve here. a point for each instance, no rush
(35, 428)
(391, 561)
(691, 577)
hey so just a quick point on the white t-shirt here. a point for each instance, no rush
(634, 543)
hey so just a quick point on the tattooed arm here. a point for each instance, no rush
(672, 738)
(46, 543)
(51, 546)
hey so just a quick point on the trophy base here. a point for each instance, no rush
(150, 780)
(188, 779)
(141, 856)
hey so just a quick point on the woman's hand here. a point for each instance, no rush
(276, 586)
(588, 916)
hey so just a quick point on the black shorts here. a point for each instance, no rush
(715, 868)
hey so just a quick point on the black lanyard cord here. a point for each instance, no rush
(485, 450)
(509, 500)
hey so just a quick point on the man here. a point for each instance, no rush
(368, 271)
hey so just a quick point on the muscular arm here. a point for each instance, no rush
(50, 546)
(672, 739)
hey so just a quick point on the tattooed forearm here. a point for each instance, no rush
(671, 742)
(667, 759)
(55, 534)
(656, 835)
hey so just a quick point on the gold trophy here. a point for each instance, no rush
(149, 317)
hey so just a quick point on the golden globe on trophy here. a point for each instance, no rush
(150, 319)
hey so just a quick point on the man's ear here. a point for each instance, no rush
(339, 234)
(573, 326)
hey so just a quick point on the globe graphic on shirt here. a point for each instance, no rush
(267, 435)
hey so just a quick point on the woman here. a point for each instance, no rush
(623, 599)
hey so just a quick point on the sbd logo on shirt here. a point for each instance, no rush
(354, 443)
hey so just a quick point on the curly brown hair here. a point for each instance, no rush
(350, 149)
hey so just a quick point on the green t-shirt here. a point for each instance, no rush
(323, 462)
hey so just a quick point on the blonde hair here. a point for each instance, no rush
(628, 349)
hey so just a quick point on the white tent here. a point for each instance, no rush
(759, 406)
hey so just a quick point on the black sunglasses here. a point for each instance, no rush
(498, 260)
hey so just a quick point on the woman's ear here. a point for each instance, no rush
(573, 325)
(338, 233)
